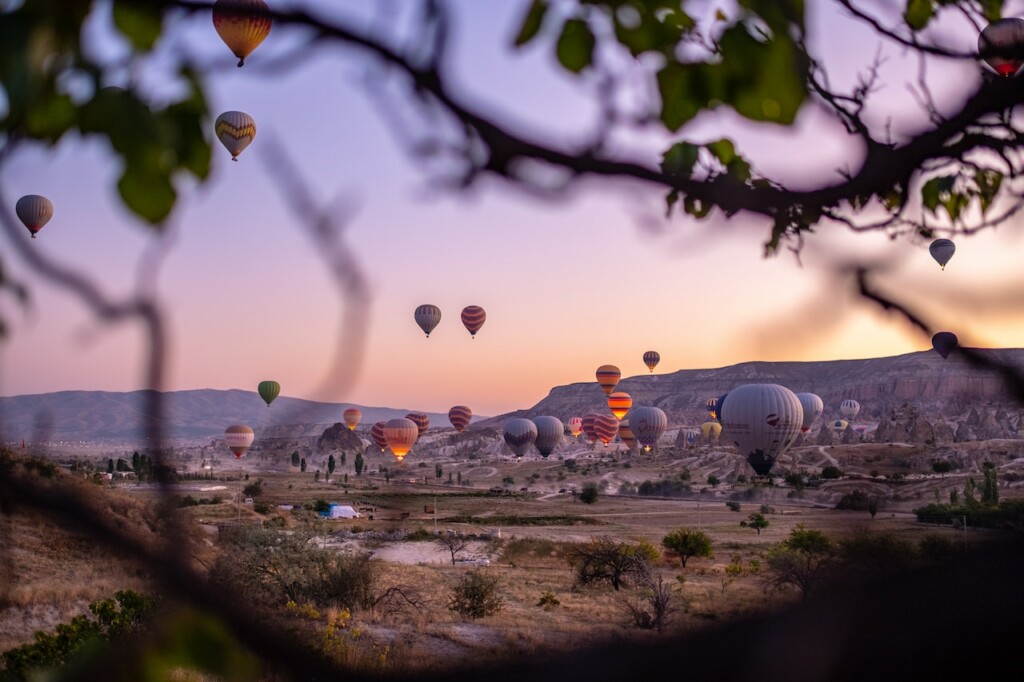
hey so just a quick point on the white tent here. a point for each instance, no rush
(339, 511)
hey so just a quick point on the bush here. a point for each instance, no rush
(831, 472)
(686, 543)
(475, 596)
(548, 600)
(588, 495)
(935, 547)
(667, 488)
(733, 505)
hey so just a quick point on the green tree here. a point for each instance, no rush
(686, 543)
(756, 520)
(877, 553)
(796, 480)
(110, 466)
(941, 466)
(989, 485)
(713, 480)
(359, 464)
(295, 458)
(254, 489)
(438, 471)
(589, 494)
(800, 561)
(344, 457)
(302, 465)
(831, 472)
(475, 595)
(330, 466)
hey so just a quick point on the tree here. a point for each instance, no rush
(686, 543)
(989, 485)
(941, 466)
(831, 472)
(110, 466)
(800, 561)
(475, 595)
(756, 520)
(302, 465)
(316, 476)
(453, 542)
(254, 489)
(654, 606)
(359, 464)
(589, 494)
(344, 457)
(330, 466)
(713, 480)
(604, 560)
(295, 458)
(879, 554)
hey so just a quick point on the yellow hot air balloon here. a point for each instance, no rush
(608, 377)
(34, 211)
(235, 130)
(241, 32)
(619, 403)
(711, 431)
(401, 434)
(352, 416)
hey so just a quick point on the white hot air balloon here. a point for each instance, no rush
(647, 424)
(762, 420)
(849, 409)
(550, 432)
(813, 406)
(520, 434)
(235, 130)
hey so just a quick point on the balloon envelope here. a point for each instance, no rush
(626, 434)
(239, 437)
(945, 343)
(377, 434)
(575, 426)
(460, 416)
(520, 434)
(608, 377)
(619, 403)
(942, 250)
(34, 211)
(242, 33)
(812, 406)
(550, 432)
(352, 416)
(235, 130)
(1001, 45)
(763, 420)
(647, 424)
(711, 431)
(421, 421)
(606, 427)
(588, 426)
(427, 317)
(268, 390)
(651, 359)
(473, 317)
(401, 434)
(849, 409)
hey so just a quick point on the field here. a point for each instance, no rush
(520, 537)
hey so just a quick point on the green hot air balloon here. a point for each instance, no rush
(268, 390)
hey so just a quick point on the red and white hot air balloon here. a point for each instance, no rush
(460, 416)
(239, 437)
(352, 416)
(401, 434)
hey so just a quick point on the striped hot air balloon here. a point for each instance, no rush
(647, 424)
(619, 403)
(520, 434)
(575, 426)
(241, 32)
(608, 377)
(606, 427)
(34, 211)
(460, 416)
(762, 420)
(588, 426)
(239, 437)
(352, 416)
(268, 390)
(377, 434)
(626, 433)
(421, 421)
(235, 130)
(651, 359)
(812, 406)
(401, 434)
(473, 317)
(550, 432)
(427, 317)
(849, 408)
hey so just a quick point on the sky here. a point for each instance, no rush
(598, 276)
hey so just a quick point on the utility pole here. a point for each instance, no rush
(435, 514)
(698, 516)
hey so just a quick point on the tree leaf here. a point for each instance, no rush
(723, 150)
(139, 22)
(532, 22)
(919, 13)
(148, 193)
(679, 160)
(575, 49)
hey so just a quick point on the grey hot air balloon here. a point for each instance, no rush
(762, 420)
(942, 250)
(647, 424)
(520, 434)
(813, 406)
(427, 317)
(550, 432)
(235, 130)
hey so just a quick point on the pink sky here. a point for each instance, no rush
(567, 286)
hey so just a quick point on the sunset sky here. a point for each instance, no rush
(598, 277)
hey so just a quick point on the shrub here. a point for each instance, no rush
(831, 472)
(936, 547)
(549, 601)
(733, 505)
(475, 596)
(588, 495)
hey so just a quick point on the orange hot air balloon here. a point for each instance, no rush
(588, 426)
(377, 434)
(619, 403)
(421, 421)
(575, 426)
(239, 437)
(608, 376)
(352, 416)
(460, 416)
(626, 434)
(651, 359)
(606, 426)
(240, 31)
(401, 435)
(473, 316)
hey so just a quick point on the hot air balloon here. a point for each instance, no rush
(239, 437)
(268, 390)
(714, 406)
(619, 403)
(235, 130)
(550, 432)
(608, 377)
(692, 436)
(647, 424)
(711, 432)
(812, 406)
(1001, 45)
(460, 416)
(849, 408)
(626, 434)
(763, 420)
(352, 416)
(588, 426)
(421, 421)
(651, 359)
(606, 426)
(945, 343)
(34, 211)
(575, 426)
(520, 434)
(839, 425)
(942, 250)
(427, 317)
(401, 434)
(473, 317)
(377, 434)
(241, 32)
